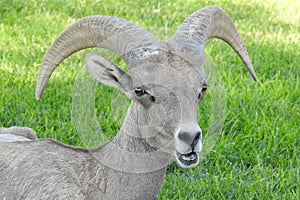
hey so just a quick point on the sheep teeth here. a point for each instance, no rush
(189, 157)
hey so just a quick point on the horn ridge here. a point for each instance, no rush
(113, 33)
(211, 22)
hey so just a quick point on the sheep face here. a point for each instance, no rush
(165, 90)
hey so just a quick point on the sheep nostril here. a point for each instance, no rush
(196, 140)
(198, 135)
(190, 139)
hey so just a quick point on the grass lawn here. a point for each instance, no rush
(257, 155)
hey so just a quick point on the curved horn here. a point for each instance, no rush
(212, 22)
(107, 32)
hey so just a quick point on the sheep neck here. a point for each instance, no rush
(130, 153)
(133, 136)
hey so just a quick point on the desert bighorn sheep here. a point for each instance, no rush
(165, 82)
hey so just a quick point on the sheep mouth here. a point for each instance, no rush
(189, 159)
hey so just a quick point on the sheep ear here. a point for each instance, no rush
(108, 73)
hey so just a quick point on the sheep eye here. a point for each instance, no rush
(139, 91)
(201, 94)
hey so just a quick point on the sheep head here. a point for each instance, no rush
(165, 80)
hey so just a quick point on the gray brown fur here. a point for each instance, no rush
(17, 134)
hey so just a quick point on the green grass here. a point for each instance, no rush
(258, 153)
